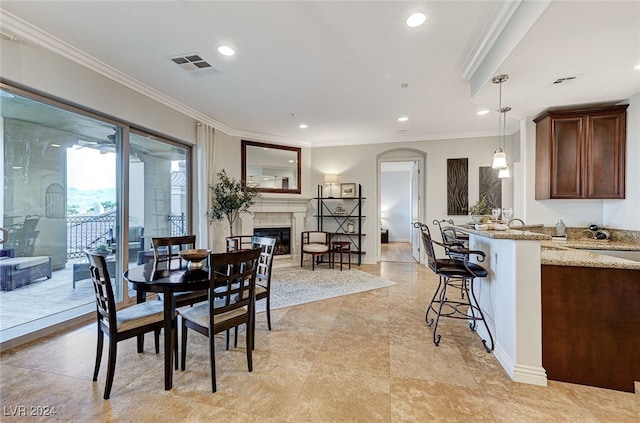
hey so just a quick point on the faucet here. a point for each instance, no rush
(517, 220)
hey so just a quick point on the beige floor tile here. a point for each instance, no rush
(414, 400)
(338, 394)
(365, 357)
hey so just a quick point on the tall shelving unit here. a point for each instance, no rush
(336, 222)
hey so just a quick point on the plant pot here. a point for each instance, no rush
(478, 219)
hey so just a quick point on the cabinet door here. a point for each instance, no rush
(605, 156)
(567, 135)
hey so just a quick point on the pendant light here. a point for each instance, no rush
(499, 156)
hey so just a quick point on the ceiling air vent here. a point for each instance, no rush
(194, 64)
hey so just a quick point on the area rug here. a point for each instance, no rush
(295, 285)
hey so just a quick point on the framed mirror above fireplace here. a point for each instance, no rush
(271, 167)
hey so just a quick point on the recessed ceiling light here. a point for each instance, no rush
(403, 119)
(226, 51)
(637, 67)
(416, 19)
(482, 112)
(303, 126)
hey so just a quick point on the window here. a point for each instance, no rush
(63, 193)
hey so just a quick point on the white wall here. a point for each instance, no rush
(357, 164)
(395, 191)
(42, 70)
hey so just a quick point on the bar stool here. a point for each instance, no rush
(459, 274)
(340, 247)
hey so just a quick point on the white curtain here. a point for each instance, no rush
(205, 146)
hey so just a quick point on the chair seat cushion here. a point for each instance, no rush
(452, 267)
(315, 248)
(199, 314)
(24, 262)
(139, 315)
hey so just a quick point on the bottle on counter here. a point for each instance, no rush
(560, 228)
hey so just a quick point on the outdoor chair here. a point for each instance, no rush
(122, 324)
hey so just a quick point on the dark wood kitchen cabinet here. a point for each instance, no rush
(580, 153)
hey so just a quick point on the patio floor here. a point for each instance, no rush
(44, 297)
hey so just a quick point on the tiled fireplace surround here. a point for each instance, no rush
(278, 212)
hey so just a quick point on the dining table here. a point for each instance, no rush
(147, 278)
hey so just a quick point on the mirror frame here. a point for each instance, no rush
(261, 145)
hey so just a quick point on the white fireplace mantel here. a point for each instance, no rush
(293, 210)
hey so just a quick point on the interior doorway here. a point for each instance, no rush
(400, 197)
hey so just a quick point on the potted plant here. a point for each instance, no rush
(101, 249)
(229, 198)
(480, 211)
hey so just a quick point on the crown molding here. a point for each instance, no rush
(23, 30)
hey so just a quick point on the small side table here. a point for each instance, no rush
(342, 248)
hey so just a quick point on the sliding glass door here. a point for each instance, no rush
(158, 193)
(68, 188)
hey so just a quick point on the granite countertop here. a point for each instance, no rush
(560, 255)
(506, 234)
(593, 244)
(566, 253)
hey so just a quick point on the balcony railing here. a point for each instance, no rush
(88, 231)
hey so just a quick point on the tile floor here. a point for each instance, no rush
(365, 357)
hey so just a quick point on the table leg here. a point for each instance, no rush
(169, 324)
(140, 298)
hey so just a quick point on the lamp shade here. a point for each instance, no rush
(499, 159)
(330, 179)
(504, 172)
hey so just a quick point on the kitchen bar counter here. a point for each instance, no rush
(567, 253)
(546, 328)
(510, 298)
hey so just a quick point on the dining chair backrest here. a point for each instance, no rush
(105, 300)
(166, 250)
(233, 281)
(239, 242)
(267, 247)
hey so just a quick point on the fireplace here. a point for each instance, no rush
(282, 236)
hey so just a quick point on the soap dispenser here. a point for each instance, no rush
(560, 228)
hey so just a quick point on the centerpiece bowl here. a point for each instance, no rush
(195, 257)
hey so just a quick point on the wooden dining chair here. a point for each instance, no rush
(166, 255)
(119, 325)
(265, 264)
(231, 303)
